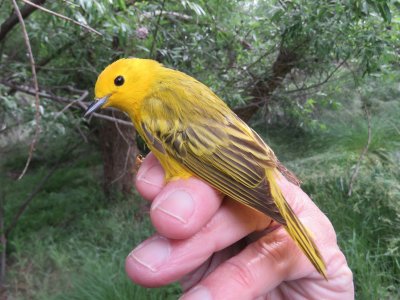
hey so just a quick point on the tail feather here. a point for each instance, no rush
(295, 228)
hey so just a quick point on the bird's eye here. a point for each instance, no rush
(119, 80)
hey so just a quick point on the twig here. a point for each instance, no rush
(123, 172)
(84, 137)
(38, 188)
(168, 14)
(71, 3)
(80, 99)
(23, 207)
(363, 153)
(119, 121)
(156, 30)
(30, 91)
(119, 129)
(312, 86)
(299, 89)
(12, 20)
(44, 61)
(101, 116)
(3, 241)
(36, 86)
(309, 90)
(62, 16)
(125, 169)
(11, 126)
(265, 54)
(60, 99)
(395, 128)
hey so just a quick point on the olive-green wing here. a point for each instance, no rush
(225, 153)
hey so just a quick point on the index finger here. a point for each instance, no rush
(150, 178)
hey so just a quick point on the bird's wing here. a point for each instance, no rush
(226, 153)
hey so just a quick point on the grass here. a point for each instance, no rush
(71, 243)
(368, 222)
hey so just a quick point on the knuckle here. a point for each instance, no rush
(241, 273)
(275, 250)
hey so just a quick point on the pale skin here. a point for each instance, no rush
(219, 249)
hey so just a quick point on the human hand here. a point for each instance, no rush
(224, 250)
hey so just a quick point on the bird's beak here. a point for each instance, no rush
(95, 105)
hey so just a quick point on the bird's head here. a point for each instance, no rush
(124, 84)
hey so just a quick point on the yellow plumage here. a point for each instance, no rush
(193, 132)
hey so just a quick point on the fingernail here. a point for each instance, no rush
(179, 205)
(153, 253)
(197, 293)
(153, 176)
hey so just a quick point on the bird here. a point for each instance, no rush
(192, 132)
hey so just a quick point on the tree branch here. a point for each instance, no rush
(125, 169)
(64, 100)
(316, 85)
(363, 153)
(105, 117)
(25, 204)
(172, 15)
(36, 86)
(43, 62)
(156, 30)
(62, 16)
(38, 188)
(80, 99)
(9, 24)
(3, 242)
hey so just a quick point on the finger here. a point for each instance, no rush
(264, 264)
(321, 230)
(159, 261)
(150, 177)
(259, 268)
(267, 264)
(300, 202)
(193, 278)
(183, 207)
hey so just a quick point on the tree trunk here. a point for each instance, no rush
(263, 88)
(119, 150)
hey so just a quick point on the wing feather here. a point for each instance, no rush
(208, 140)
(225, 153)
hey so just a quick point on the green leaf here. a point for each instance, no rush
(122, 4)
(384, 10)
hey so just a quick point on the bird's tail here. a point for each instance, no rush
(294, 227)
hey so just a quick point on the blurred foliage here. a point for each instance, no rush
(72, 237)
(345, 59)
(366, 223)
(78, 241)
(229, 46)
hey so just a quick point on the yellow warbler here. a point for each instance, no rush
(193, 132)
